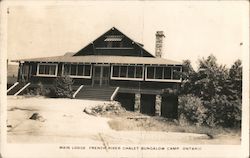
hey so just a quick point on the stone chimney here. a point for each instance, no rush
(159, 43)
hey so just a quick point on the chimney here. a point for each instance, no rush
(159, 43)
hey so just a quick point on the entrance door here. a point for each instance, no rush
(101, 75)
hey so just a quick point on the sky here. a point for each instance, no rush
(193, 29)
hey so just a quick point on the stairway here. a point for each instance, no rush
(95, 93)
(16, 89)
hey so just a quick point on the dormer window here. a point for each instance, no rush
(113, 41)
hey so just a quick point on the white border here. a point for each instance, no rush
(51, 150)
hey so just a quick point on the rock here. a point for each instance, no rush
(89, 111)
(36, 116)
(105, 108)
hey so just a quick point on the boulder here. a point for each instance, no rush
(37, 116)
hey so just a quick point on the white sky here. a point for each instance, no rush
(193, 29)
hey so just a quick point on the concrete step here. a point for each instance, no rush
(95, 93)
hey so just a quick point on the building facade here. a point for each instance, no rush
(113, 61)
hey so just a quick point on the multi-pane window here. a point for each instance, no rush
(127, 72)
(163, 73)
(77, 70)
(114, 41)
(176, 73)
(167, 72)
(150, 72)
(47, 69)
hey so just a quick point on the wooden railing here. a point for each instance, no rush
(74, 95)
(114, 93)
(22, 89)
(14, 85)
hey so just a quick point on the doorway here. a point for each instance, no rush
(148, 104)
(101, 75)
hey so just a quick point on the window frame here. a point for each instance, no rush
(78, 76)
(162, 80)
(126, 78)
(46, 64)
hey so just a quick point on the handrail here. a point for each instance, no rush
(114, 93)
(74, 95)
(21, 89)
(14, 85)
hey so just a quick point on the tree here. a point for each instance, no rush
(63, 87)
(219, 89)
(188, 76)
(235, 80)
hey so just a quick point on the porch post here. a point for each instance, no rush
(62, 69)
(137, 102)
(20, 72)
(30, 70)
(158, 100)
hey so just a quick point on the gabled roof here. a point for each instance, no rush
(113, 59)
(104, 59)
(90, 45)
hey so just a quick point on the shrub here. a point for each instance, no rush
(223, 112)
(191, 108)
(63, 87)
(42, 90)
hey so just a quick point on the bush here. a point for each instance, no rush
(41, 90)
(63, 87)
(191, 109)
(222, 112)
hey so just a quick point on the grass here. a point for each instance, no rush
(123, 121)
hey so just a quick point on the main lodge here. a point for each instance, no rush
(112, 67)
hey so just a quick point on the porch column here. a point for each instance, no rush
(158, 100)
(62, 69)
(30, 71)
(137, 102)
(20, 72)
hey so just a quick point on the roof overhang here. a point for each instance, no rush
(104, 59)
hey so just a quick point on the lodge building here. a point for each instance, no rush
(112, 67)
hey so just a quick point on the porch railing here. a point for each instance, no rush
(74, 95)
(114, 93)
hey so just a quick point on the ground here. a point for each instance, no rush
(64, 121)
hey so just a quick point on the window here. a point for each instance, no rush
(114, 44)
(161, 73)
(116, 71)
(73, 70)
(47, 69)
(80, 70)
(176, 73)
(114, 41)
(127, 72)
(77, 70)
(139, 71)
(123, 71)
(158, 72)
(150, 72)
(131, 72)
(167, 72)
(87, 71)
